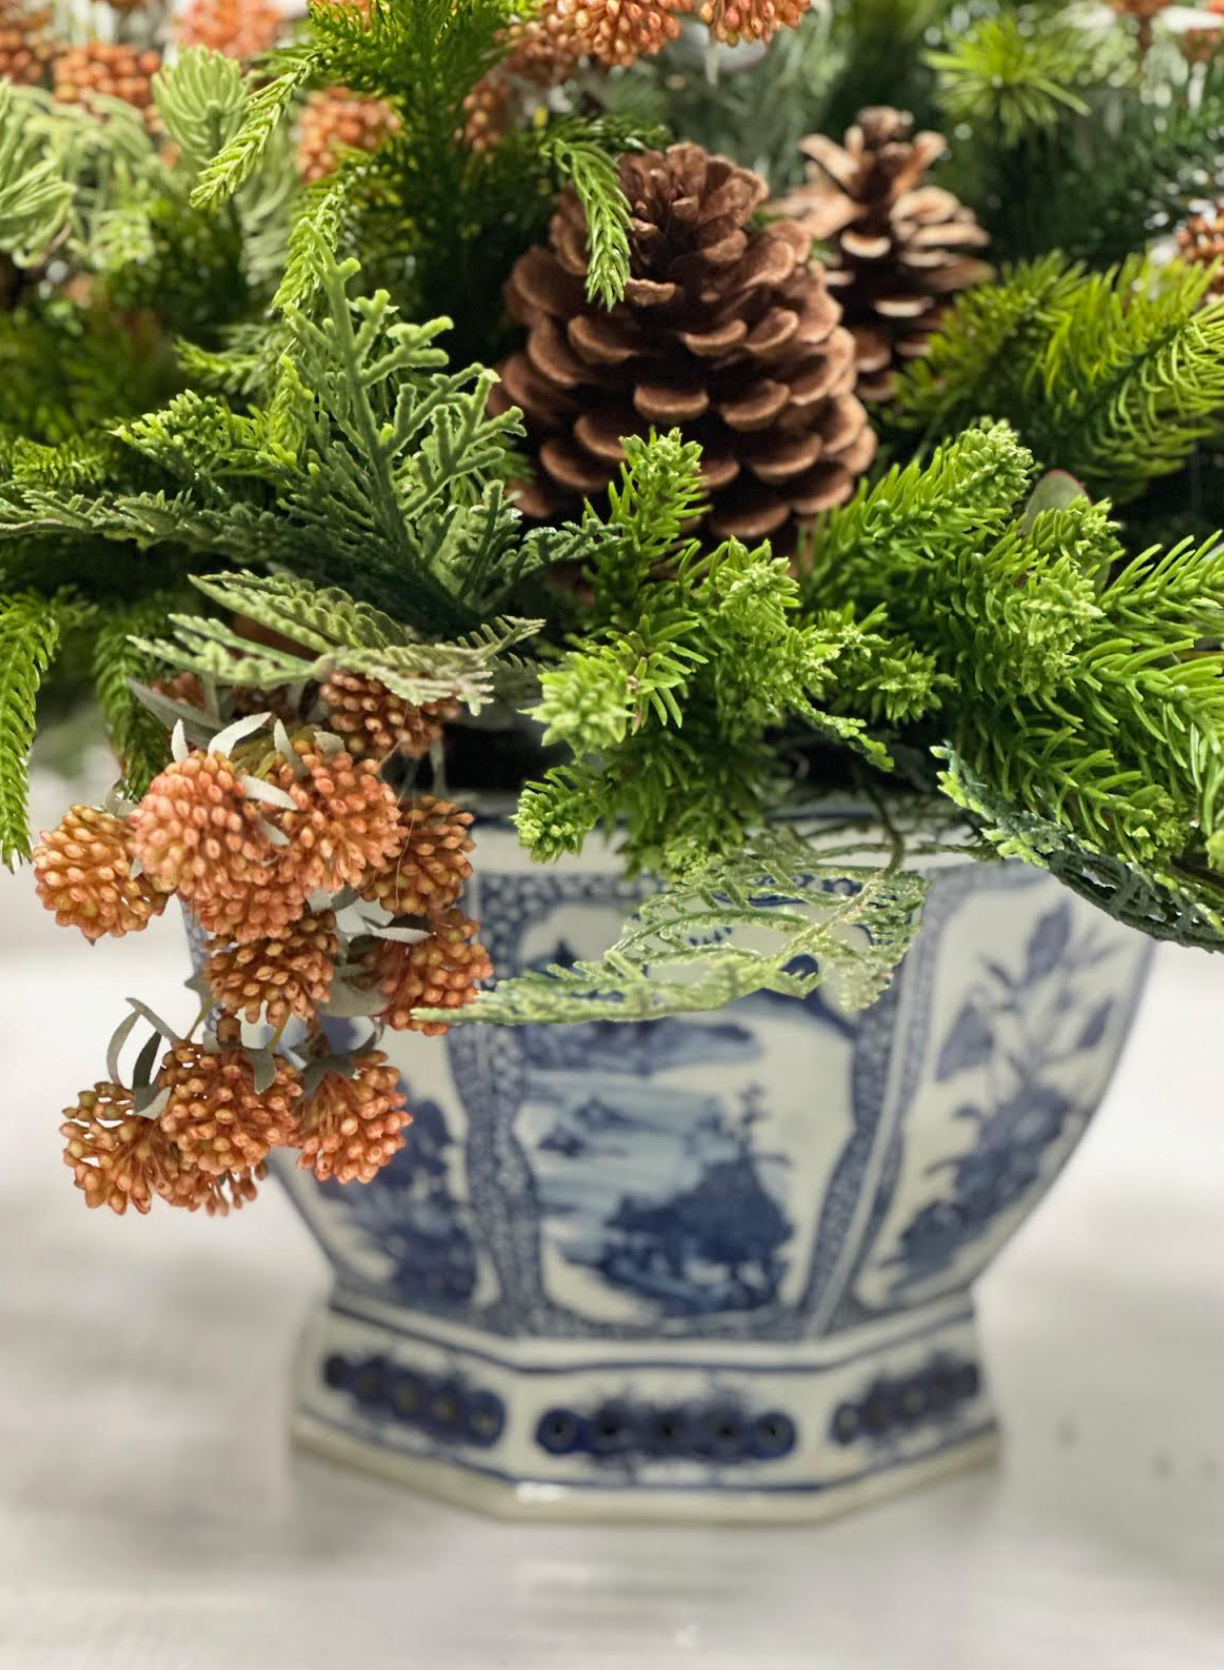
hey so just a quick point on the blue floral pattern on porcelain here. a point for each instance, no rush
(763, 1220)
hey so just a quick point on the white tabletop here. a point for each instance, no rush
(153, 1517)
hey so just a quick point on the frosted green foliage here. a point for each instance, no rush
(768, 918)
(335, 634)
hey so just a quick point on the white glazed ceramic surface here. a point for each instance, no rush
(717, 1266)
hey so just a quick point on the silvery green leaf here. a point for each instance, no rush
(150, 1102)
(114, 1049)
(178, 743)
(347, 1003)
(328, 743)
(196, 724)
(135, 868)
(318, 1070)
(117, 804)
(350, 919)
(282, 740)
(200, 986)
(154, 1020)
(142, 1073)
(228, 739)
(321, 899)
(263, 1063)
(402, 936)
(277, 836)
(372, 911)
(257, 789)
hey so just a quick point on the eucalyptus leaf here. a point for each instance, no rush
(150, 1102)
(348, 1003)
(257, 789)
(142, 1073)
(154, 1020)
(227, 740)
(114, 1049)
(263, 1065)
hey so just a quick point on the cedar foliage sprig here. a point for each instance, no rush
(366, 462)
(688, 664)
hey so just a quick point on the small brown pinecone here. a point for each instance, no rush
(898, 245)
(105, 69)
(441, 972)
(726, 331)
(352, 1127)
(118, 1158)
(277, 977)
(27, 52)
(1201, 241)
(83, 871)
(375, 722)
(333, 121)
(427, 874)
(215, 1116)
(238, 28)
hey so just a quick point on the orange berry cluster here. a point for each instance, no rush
(561, 35)
(258, 843)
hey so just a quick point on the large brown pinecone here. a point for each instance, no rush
(725, 332)
(898, 245)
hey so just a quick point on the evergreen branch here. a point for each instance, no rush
(266, 107)
(698, 945)
(579, 158)
(1165, 902)
(1011, 79)
(201, 101)
(29, 636)
(34, 197)
(137, 736)
(1115, 377)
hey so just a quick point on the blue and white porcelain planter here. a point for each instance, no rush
(714, 1267)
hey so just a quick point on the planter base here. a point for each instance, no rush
(736, 1431)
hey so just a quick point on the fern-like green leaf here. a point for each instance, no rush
(771, 918)
(29, 634)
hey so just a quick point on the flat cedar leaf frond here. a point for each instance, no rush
(1165, 901)
(29, 635)
(771, 918)
(1115, 377)
(354, 457)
